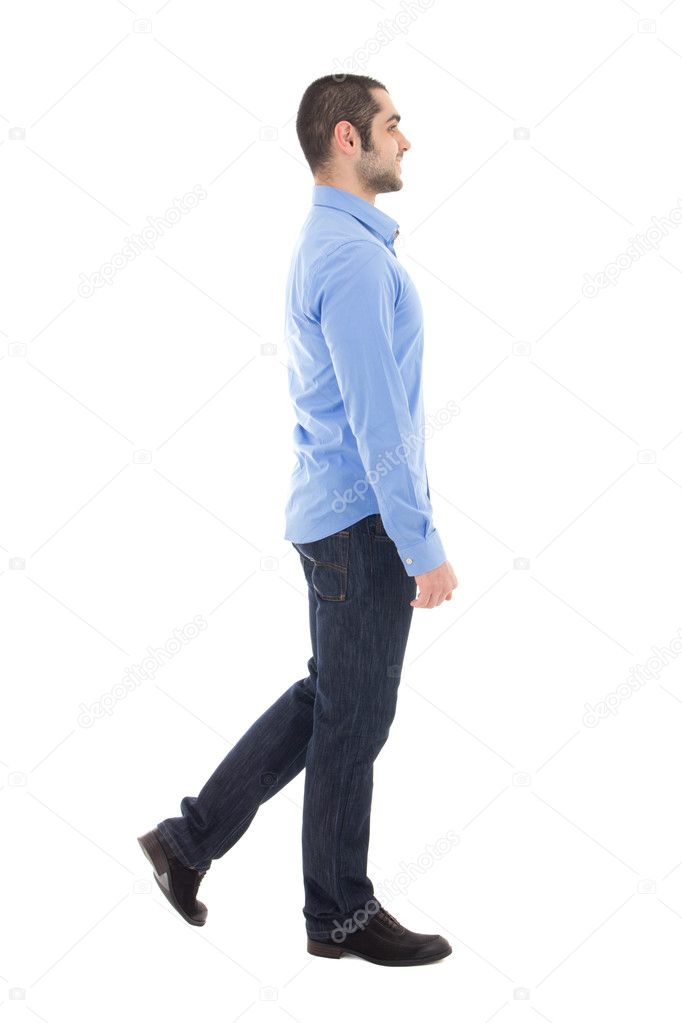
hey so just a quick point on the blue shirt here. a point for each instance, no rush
(354, 331)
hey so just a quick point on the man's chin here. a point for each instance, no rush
(392, 184)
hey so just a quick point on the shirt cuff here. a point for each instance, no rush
(424, 556)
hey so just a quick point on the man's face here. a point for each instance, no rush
(379, 168)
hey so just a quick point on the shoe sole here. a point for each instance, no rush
(156, 855)
(318, 948)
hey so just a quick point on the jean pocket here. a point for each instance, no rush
(379, 529)
(328, 563)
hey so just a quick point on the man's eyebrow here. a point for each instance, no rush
(393, 117)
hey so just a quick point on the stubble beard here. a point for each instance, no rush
(377, 177)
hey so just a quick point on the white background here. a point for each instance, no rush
(562, 894)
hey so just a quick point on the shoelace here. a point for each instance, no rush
(196, 877)
(389, 920)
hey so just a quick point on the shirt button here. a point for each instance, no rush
(408, 560)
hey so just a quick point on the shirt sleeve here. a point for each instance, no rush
(354, 291)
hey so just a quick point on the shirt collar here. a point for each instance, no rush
(338, 198)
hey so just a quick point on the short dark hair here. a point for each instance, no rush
(327, 101)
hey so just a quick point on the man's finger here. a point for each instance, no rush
(429, 600)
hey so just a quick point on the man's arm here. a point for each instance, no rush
(354, 291)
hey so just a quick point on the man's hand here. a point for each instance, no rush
(435, 586)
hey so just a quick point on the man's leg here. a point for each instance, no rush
(361, 642)
(263, 761)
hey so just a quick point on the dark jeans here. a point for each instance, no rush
(334, 722)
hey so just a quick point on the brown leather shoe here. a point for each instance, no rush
(385, 942)
(178, 883)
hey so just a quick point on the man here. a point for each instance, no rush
(359, 516)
